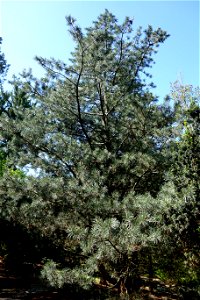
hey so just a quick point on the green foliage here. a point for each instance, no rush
(97, 141)
(178, 268)
(54, 276)
(2, 162)
(3, 65)
(114, 173)
(186, 167)
(181, 261)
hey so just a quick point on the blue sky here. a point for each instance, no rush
(32, 28)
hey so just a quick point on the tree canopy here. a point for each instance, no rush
(99, 160)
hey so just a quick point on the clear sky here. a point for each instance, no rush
(32, 28)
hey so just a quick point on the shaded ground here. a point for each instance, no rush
(30, 288)
(16, 287)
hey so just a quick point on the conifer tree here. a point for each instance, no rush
(96, 144)
(10, 102)
(181, 223)
(185, 173)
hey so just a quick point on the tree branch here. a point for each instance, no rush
(116, 249)
(78, 102)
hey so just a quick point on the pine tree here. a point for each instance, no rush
(181, 223)
(96, 143)
(186, 172)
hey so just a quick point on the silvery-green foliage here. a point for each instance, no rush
(93, 146)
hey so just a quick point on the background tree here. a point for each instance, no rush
(15, 243)
(185, 173)
(181, 225)
(186, 167)
(3, 71)
(3, 64)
